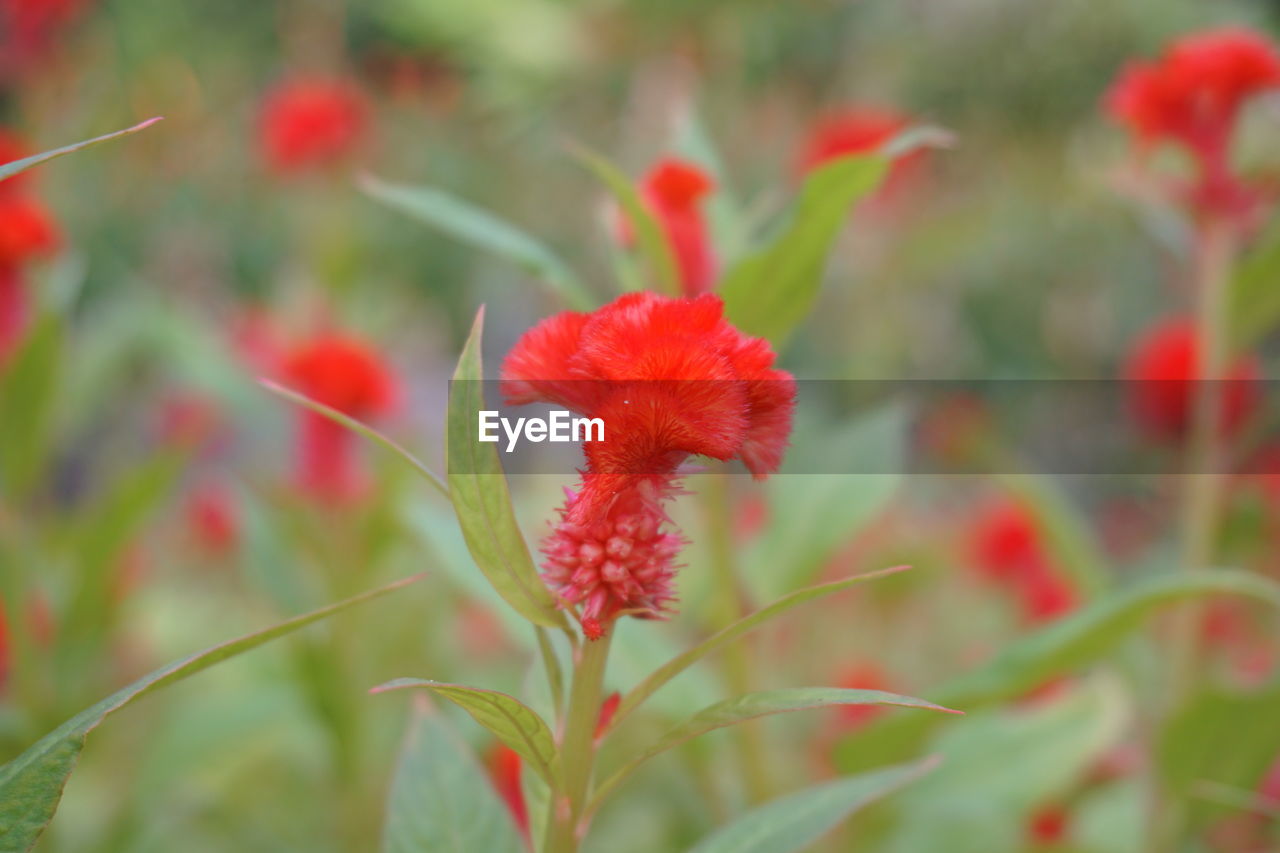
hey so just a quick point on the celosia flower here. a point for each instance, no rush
(861, 130)
(1163, 369)
(29, 27)
(344, 374)
(27, 231)
(213, 520)
(670, 378)
(1005, 545)
(1191, 96)
(674, 190)
(504, 767)
(311, 122)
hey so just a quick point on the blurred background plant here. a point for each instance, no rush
(155, 500)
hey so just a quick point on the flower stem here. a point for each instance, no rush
(577, 748)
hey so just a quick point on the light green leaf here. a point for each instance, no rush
(440, 799)
(771, 291)
(510, 720)
(762, 704)
(650, 238)
(484, 231)
(8, 170)
(742, 627)
(28, 390)
(31, 784)
(359, 428)
(478, 489)
(794, 822)
(1255, 293)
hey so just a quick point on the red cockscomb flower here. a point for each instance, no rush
(674, 190)
(860, 130)
(670, 378)
(1192, 96)
(28, 28)
(310, 123)
(27, 230)
(1163, 369)
(504, 767)
(344, 374)
(1006, 546)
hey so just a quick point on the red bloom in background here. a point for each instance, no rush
(860, 130)
(29, 27)
(344, 374)
(310, 123)
(1191, 96)
(670, 378)
(674, 190)
(861, 676)
(1006, 546)
(27, 230)
(1163, 369)
(504, 767)
(1048, 826)
(213, 520)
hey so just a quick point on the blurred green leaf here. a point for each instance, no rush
(482, 501)
(509, 719)
(28, 388)
(743, 626)
(8, 170)
(1225, 738)
(650, 238)
(483, 230)
(1255, 293)
(764, 703)
(359, 428)
(794, 822)
(440, 799)
(771, 291)
(31, 784)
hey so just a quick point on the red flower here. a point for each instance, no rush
(29, 27)
(1006, 546)
(213, 520)
(26, 229)
(862, 676)
(1192, 96)
(860, 130)
(310, 123)
(670, 378)
(1163, 369)
(344, 374)
(673, 190)
(504, 773)
(1048, 826)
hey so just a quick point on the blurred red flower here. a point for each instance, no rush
(345, 374)
(861, 130)
(27, 230)
(670, 378)
(213, 520)
(311, 122)
(1048, 826)
(1163, 368)
(1191, 96)
(865, 675)
(504, 767)
(29, 27)
(1006, 546)
(674, 190)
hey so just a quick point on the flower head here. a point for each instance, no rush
(860, 130)
(1007, 547)
(311, 122)
(1163, 369)
(27, 230)
(670, 378)
(674, 191)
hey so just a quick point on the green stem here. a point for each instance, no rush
(577, 748)
(730, 608)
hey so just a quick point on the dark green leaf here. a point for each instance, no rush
(510, 720)
(31, 784)
(478, 489)
(8, 170)
(440, 799)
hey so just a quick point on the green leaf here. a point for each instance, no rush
(28, 391)
(771, 291)
(1255, 293)
(511, 721)
(31, 784)
(440, 799)
(765, 703)
(359, 428)
(8, 170)
(481, 500)
(1223, 739)
(650, 238)
(794, 822)
(484, 231)
(742, 627)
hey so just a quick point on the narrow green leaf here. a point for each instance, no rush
(28, 391)
(650, 238)
(510, 720)
(742, 627)
(357, 427)
(481, 500)
(483, 230)
(771, 291)
(440, 799)
(8, 170)
(31, 784)
(765, 703)
(1254, 308)
(792, 823)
